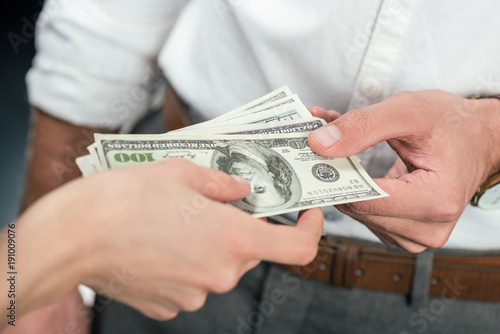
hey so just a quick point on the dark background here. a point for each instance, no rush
(16, 54)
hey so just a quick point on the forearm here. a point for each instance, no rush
(38, 263)
(55, 144)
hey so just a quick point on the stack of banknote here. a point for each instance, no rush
(263, 141)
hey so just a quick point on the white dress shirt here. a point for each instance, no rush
(96, 63)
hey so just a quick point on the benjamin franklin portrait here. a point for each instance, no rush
(273, 182)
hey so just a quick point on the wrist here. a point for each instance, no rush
(488, 191)
(489, 105)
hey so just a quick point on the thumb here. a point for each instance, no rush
(223, 187)
(355, 131)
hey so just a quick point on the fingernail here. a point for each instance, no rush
(328, 135)
(240, 179)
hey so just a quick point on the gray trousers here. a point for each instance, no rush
(270, 300)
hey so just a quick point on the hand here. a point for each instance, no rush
(158, 237)
(447, 147)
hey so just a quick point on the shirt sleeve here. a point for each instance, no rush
(96, 59)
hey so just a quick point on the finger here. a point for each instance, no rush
(183, 294)
(383, 237)
(291, 244)
(315, 109)
(161, 311)
(413, 236)
(410, 246)
(235, 189)
(311, 221)
(249, 266)
(415, 196)
(216, 184)
(359, 129)
(395, 240)
(327, 115)
(398, 169)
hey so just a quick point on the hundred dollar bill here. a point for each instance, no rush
(94, 153)
(276, 107)
(274, 128)
(279, 127)
(284, 173)
(86, 165)
(256, 106)
(286, 109)
(275, 95)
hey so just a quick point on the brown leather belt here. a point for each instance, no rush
(353, 264)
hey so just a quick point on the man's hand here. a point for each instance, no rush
(447, 147)
(158, 237)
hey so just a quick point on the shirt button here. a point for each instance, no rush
(370, 88)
